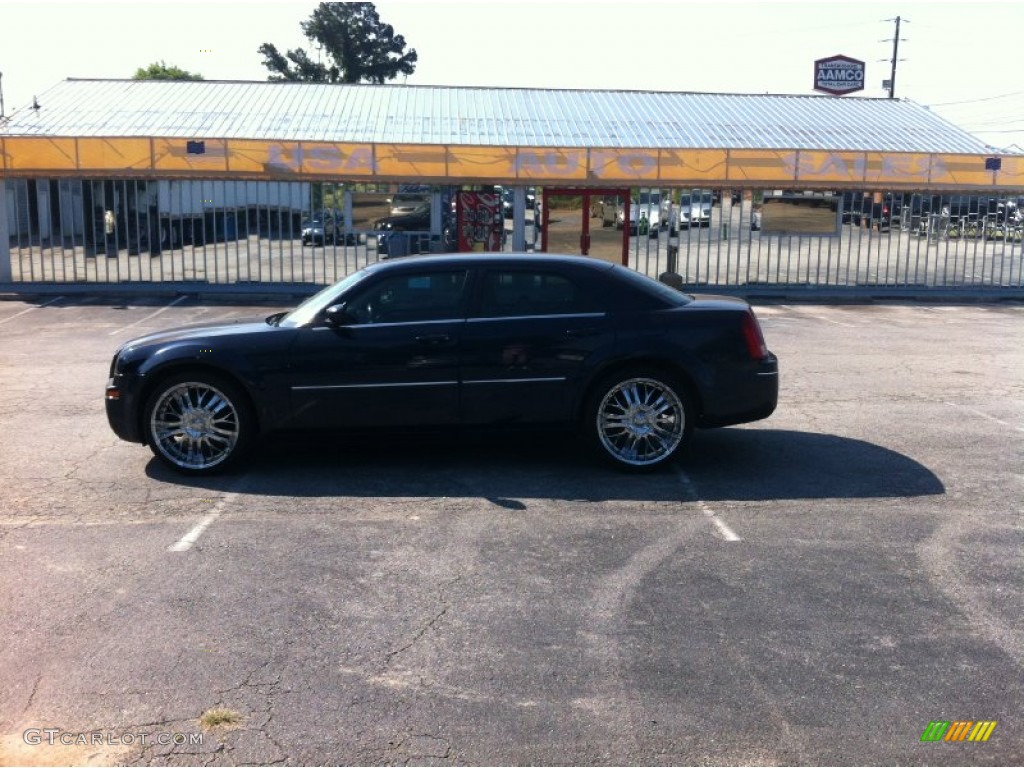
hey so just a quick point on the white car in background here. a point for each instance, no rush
(638, 212)
(695, 208)
(650, 205)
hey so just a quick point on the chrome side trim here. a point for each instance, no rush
(541, 380)
(459, 320)
(378, 386)
(535, 317)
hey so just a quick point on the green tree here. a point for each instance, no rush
(357, 44)
(159, 70)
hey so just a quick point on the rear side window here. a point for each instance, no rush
(634, 291)
(515, 293)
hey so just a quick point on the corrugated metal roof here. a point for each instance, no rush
(404, 114)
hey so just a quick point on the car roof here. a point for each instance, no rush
(499, 259)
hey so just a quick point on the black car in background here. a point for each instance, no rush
(508, 201)
(410, 233)
(469, 340)
(320, 230)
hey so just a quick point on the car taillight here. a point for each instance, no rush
(754, 338)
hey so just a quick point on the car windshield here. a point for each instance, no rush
(407, 199)
(696, 199)
(315, 304)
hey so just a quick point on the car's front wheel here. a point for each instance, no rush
(639, 419)
(199, 423)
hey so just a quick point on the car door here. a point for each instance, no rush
(394, 364)
(530, 337)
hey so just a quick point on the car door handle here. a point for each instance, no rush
(434, 339)
(579, 333)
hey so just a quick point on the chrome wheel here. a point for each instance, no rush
(641, 422)
(194, 425)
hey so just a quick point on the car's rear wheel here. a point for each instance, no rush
(199, 423)
(639, 419)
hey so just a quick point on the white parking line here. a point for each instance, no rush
(800, 312)
(30, 309)
(984, 415)
(185, 542)
(727, 533)
(149, 316)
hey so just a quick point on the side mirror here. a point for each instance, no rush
(338, 316)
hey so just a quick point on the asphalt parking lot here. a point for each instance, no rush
(815, 588)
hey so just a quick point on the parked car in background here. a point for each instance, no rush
(415, 233)
(410, 233)
(649, 211)
(656, 198)
(409, 202)
(645, 219)
(468, 341)
(605, 208)
(695, 208)
(508, 198)
(319, 230)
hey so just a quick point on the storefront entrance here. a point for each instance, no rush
(588, 222)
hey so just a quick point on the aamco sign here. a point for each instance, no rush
(838, 75)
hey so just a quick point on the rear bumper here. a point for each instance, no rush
(751, 396)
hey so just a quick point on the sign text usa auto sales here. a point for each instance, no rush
(838, 75)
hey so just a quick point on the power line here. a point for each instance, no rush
(978, 101)
(1008, 130)
(996, 122)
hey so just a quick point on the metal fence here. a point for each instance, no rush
(901, 244)
(227, 232)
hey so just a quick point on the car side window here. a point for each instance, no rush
(524, 293)
(410, 298)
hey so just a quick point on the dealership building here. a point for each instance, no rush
(242, 184)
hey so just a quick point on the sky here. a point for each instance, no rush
(961, 59)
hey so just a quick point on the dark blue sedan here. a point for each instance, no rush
(469, 340)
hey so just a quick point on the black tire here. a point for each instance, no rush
(638, 419)
(199, 423)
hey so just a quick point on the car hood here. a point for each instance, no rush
(199, 333)
(696, 209)
(400, 224)
(638, 208)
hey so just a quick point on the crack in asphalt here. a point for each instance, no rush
(423, 630)
(32, 695)
(429, 624)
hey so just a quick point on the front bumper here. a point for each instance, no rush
(122, 405)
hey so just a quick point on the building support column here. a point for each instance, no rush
(5, 236)
(518, 219)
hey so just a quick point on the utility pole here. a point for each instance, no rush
(895, 55)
